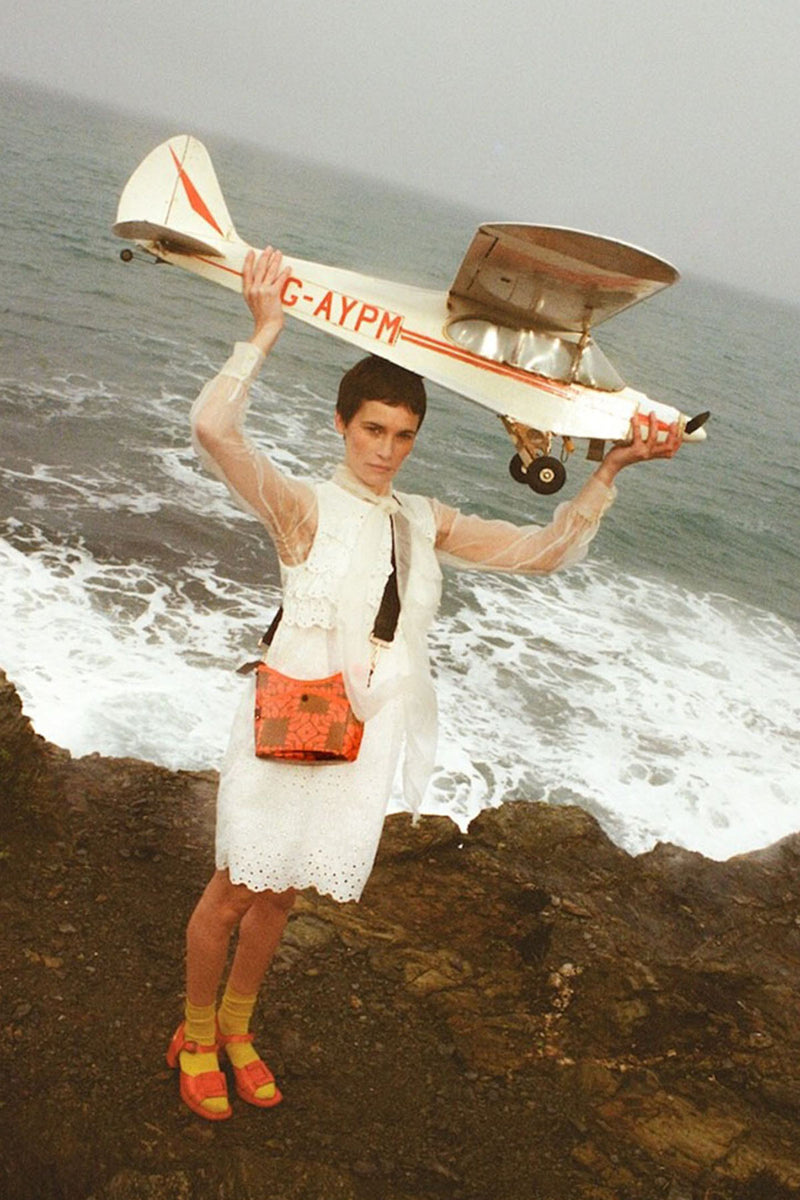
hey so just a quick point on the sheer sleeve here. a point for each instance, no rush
(471, 541)
(287, 507)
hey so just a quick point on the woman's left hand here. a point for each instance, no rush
(263, 280)
(641, 447)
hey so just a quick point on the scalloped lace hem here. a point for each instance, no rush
(271, 873)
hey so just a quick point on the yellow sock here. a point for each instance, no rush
(199, 1023)
(200, 1028)
(234, 1017)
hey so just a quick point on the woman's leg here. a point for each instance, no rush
(221, 907)
(259, 933)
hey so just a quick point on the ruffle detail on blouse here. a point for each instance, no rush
(312, 591)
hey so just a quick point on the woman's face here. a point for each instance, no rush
(377, 442)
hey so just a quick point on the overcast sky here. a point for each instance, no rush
(672, 124)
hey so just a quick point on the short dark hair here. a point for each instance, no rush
(375, 378)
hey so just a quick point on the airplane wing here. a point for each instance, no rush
(545, 277)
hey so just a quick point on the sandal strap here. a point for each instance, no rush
(257, 1074)
(181, 1042)
(199, 1048)
(232, 1039)
(209, 1085)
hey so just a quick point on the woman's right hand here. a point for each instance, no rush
(263, 280)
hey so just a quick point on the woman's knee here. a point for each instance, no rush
(229, 901)
(285, 900)
(276, 904)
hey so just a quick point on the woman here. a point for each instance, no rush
(284, 826)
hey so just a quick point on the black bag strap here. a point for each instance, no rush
(386, 619)
(388, 613)
(266, 638)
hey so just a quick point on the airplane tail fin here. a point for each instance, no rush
(173, 201)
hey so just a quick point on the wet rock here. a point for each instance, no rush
(306, 933)
(523, 1010)
(25, 758)
(262, 1176)
(685, 1138)
(133, 1185)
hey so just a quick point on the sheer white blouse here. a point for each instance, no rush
(288, 507)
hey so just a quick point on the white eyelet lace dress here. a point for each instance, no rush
(281, 824)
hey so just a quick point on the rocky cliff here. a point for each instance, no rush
(524, 1011)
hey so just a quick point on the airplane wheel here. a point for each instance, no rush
(546, 475)
(517, 469)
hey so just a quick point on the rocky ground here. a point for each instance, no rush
(520, 1013)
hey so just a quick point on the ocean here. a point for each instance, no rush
(656, 684)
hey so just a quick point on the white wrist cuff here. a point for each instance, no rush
(245, 362)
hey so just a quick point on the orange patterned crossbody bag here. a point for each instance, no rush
(304, 720)
(310, 720)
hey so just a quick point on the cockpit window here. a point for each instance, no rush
(555, 356)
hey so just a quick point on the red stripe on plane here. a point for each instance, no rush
(193, 196)
(218, 266)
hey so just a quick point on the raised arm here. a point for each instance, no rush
(474, 541)
(536, 550)
(285, 506)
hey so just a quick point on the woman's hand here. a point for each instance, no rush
(263, 280)
(641, 447)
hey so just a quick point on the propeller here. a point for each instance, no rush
(697, 422)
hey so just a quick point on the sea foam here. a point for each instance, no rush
(670, 716)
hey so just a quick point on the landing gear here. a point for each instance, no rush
(533, 463)
(517, 470)
(546, 475)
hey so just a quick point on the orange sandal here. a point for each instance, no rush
(254, 1075)
(208, 1085)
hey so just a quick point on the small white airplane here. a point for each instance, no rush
(512, 333)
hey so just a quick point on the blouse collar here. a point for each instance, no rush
(349, 482)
